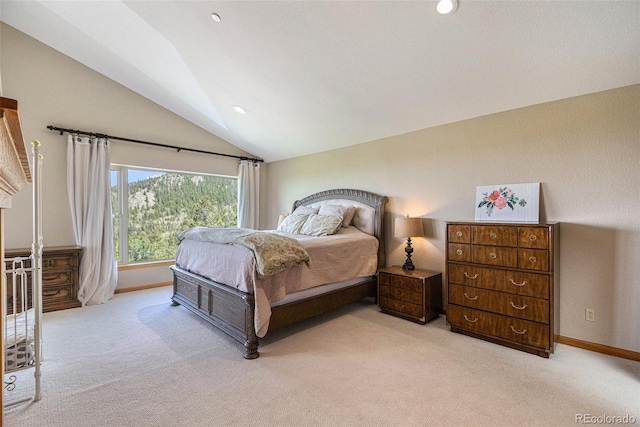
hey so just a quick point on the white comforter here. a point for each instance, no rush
(345, 255)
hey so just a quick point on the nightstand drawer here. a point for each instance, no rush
(401, 294)
(393, 304)
(408, 283)
(55, 294)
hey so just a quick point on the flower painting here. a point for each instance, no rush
(516, 202)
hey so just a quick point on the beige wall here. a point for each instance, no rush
(584, 151)
(53, 89)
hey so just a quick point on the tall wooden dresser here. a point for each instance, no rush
(502, 284)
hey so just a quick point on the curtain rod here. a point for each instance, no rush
(155, 144)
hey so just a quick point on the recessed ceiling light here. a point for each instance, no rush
(445, 7)
(215, 17)
(238, 109)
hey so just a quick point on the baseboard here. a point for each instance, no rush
(143, 287)
(599, 348)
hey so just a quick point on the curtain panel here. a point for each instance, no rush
(248, 194)
(88, 181)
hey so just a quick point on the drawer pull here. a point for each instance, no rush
(532, 259)
(459, 252)
(518, 307)
(459, 233)
(401, 294)
(493, 236)
(472, 299)
(398, 306)
(493, 255)
(519, 284)
(532, 238)
(469, 320)
(518, 331)
(470, 277)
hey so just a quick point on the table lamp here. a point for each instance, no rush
(408, 227)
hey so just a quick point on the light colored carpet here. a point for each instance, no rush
(137, 361)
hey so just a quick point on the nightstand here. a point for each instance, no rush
(414, 295)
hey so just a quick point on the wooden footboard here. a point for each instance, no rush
(232, 311)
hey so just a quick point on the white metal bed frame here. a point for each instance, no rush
(26, 305)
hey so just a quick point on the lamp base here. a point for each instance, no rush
(408, 264)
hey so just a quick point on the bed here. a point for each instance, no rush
(225, 285)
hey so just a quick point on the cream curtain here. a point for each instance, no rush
(248, 194)
(88, 182)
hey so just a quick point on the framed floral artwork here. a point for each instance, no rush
(508, 203)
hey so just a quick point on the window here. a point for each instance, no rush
(150, 207)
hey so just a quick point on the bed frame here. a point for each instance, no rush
(232, 311)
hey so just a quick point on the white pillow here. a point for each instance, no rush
(305, 210)
(321, 225)
(292, 223)
(346, 212)
(348, 216)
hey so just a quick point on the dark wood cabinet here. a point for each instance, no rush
(60, 279)
(501, 281)
(414, 295)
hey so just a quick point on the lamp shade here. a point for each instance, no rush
(408, 227)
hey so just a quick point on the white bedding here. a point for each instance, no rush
(348, 254)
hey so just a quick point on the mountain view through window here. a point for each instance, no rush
(161, 204)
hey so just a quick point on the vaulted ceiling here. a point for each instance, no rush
(314, 76)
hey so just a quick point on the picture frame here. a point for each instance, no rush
(508, 203)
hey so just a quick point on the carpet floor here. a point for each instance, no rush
(137, 361)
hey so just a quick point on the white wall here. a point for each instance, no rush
(585, 152)
(53, 89)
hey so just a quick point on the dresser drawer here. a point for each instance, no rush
(515, 282)
(59, 262)
(459, 252)
(50, 277)
(409, 283)
(393, 304)
(494, 235)
(533, 259)
(495, 255)
(401, 294)
(55, 294)
(529, 308)
(496, 325)
(533, 237)
(459, 233)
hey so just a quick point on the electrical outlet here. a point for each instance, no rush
(589, 315)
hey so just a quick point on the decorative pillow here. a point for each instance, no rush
(346, 212)
(332, 210)
(305, 210)
(293, 223)
(348, 216)
(321, 225)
